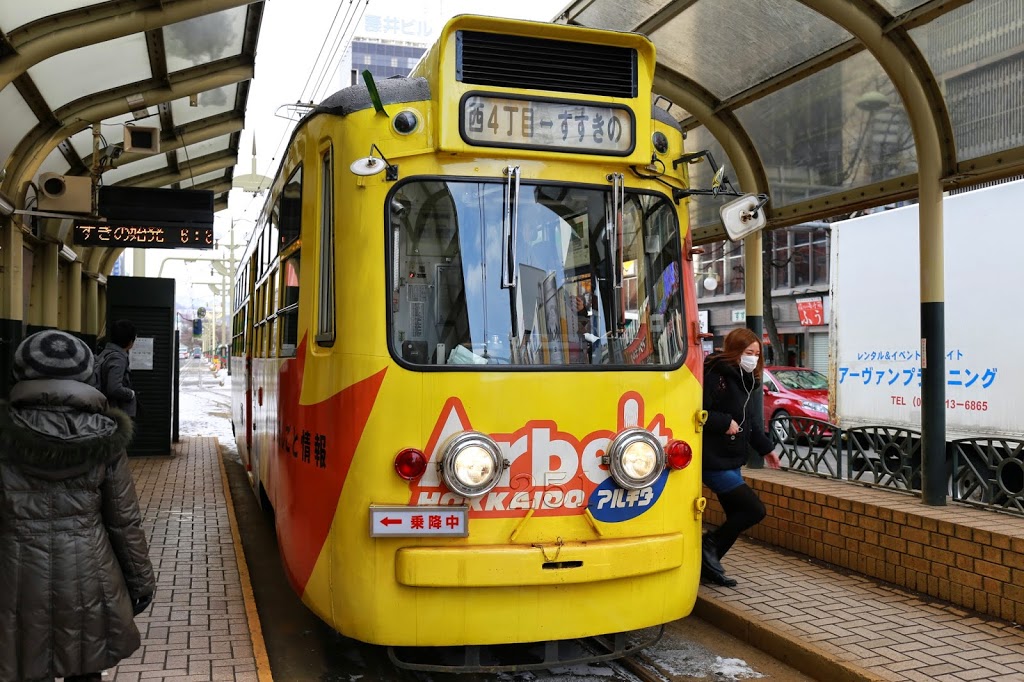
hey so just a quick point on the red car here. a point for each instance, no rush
(796, 392)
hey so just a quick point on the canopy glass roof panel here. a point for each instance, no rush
(728, 46)
(618, 16)
(54, 163)
(977, 55)
(103, 66)
(704, 209)
(204, 39)
(208, 103)
(200, 179)
(839, 128)
(898, 7)
(129, 170)
(18, 119)
(198, 149)
(15, 13)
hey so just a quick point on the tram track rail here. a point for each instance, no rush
(637, 664)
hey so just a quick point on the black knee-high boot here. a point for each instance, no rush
(743, 509)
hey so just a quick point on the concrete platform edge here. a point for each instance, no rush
(784, 647)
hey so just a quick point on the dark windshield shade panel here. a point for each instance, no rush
(448, 306)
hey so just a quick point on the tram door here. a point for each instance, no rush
(247, 423)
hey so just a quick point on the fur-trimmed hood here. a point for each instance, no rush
(60, 428)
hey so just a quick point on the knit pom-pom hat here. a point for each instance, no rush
(53, 354)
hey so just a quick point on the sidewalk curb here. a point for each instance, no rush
(783, 646)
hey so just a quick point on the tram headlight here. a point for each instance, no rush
(471, 464)
(635, 458)
(405, 122)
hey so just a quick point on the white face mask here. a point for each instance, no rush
(748, 363)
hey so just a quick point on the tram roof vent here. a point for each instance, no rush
(512, 61)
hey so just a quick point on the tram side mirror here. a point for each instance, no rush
(744, 216)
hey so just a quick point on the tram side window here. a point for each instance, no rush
(288, 316)
(289, 209)
(325, 309)
(258, 317)
(261, 256)
(271, 313)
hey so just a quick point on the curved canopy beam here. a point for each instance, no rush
(926, 109)
(96, 23)
(78, 115)
(162, 177)
(903, 62)
(187, 135)
(725, 127)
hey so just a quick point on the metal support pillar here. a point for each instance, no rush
(11, 261)
(138, 262)
(91, 321)
(933, 342)
(12, 298)
(49, 283)
(74, 297)
(754, 288)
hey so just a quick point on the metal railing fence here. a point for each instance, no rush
(985, 472)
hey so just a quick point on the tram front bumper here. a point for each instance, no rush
(549, 564)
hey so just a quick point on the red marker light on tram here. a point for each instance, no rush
(678, 454)
(410, 464)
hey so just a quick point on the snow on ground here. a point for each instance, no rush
(206, 404)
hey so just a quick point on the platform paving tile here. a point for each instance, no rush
(894, 633)
(196, 630)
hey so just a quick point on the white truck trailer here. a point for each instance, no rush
(875, 329)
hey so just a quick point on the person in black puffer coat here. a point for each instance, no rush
(731, 379)
(74, 564)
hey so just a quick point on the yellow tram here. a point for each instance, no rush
(467, 323)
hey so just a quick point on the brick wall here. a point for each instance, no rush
(966, 556)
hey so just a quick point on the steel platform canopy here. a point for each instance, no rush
(830, 106)
(182, 66)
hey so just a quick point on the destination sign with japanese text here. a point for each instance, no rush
(143, 236)
(547, 124)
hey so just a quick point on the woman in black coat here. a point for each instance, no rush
(732, 378)
(74, 565)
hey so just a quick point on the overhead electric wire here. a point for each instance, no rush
(322, 46)
(269, 169)
(336, 37)
(332, 65)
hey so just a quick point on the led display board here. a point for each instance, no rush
(147, 218)
(121, 234)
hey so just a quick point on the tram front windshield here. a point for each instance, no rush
(573, 295)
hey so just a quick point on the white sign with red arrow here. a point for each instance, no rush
(419, 521)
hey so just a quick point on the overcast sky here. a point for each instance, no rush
(296, 40)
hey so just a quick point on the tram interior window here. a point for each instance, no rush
(288, 317)
(289, 209)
